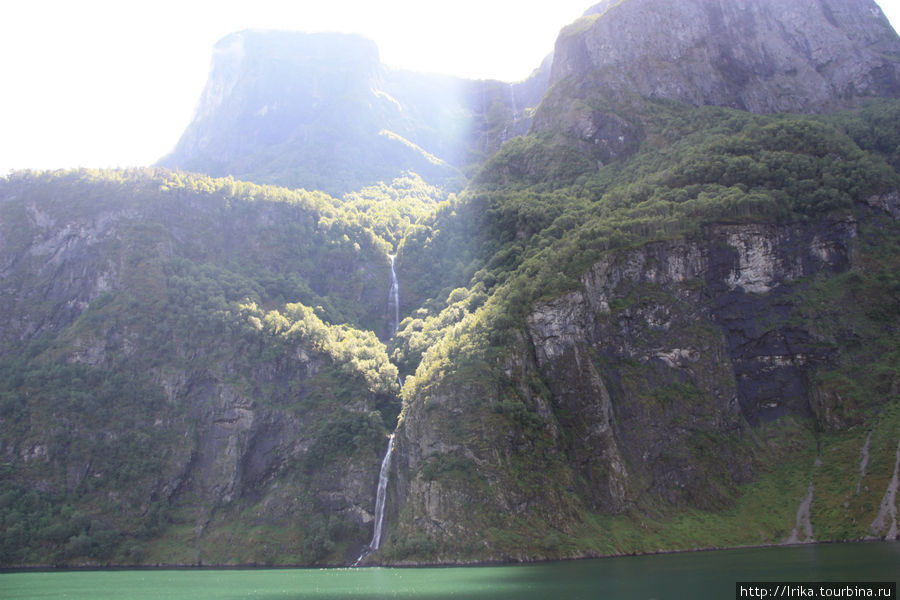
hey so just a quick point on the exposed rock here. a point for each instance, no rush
(888, 203)
(764, 56)
(650, 371)
(863, 461)
(131, 402)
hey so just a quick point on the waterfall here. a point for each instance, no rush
(512, 97)
(381, 495)
(394, 296)
(380, 501)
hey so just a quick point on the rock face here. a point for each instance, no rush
(730, 290)
(116, 387)
(764, 56)
(320, 111)
(642, 384)
(163, 368)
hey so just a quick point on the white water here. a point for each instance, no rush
(381, 495)
(394, 296)
(380, 501)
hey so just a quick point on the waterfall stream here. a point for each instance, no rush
(394, 296)
(380, 501)
(381, 495)
(512, 98)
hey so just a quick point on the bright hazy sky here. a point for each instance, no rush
(113, 83)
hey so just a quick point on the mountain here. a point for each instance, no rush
(661, 314)
(320, 111)
(156, 378)
(762, 56)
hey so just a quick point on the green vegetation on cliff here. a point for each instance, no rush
(186, 361)
(150, 302)
(532, 238)
(540, 228)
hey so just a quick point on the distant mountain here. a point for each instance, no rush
(320, 111)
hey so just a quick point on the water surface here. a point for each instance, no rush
(662, 577)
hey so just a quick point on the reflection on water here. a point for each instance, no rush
(663, 577)
(713, 574)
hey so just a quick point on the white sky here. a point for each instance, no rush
(113, 83)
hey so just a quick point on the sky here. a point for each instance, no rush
(113, 83)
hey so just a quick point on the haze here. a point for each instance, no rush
(113, 84)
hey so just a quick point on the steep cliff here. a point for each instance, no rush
(756, 55)
(668, 382)
(760, 56)
(155, 380)
(320, 111)
(681, 311)
(648, 324)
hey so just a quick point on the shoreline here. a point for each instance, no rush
(430, 565)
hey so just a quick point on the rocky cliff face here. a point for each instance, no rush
(320, 111)
(757, 55)
(186, 362)
(762, 56)
(731, 292)
(117, 391)
(648, 387)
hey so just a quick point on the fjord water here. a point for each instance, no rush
(663, 577)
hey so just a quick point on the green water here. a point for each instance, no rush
(675, 576)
